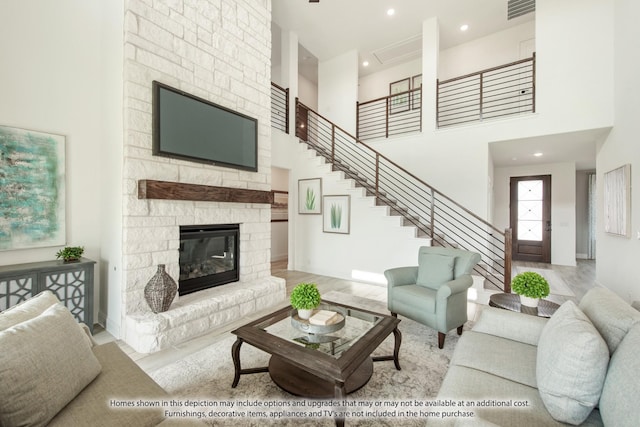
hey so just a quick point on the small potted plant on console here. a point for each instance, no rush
(305, 297)
(70, 253)
(531, 286)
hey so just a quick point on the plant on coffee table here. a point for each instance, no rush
(531, 286)
(305, 297)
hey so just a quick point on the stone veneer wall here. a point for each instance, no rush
(218, 50)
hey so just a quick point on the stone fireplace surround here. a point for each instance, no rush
(153, 238)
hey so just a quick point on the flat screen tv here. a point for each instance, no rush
(190, 128)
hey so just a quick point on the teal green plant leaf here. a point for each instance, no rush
(310, 202)
(336, 216)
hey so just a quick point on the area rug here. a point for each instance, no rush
(208, 374)
(557, 286)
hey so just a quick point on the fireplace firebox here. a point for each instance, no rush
(209, 256)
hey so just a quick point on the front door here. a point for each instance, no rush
(530, 206)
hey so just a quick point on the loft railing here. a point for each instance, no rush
(279, 108)
(434, 214)
(390, 115)
(495, 92)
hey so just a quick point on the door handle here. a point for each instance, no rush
(548, 227)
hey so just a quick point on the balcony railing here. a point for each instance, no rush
(390, 115)
(279, 108)
(495, 92)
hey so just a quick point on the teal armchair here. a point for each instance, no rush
(433, 293)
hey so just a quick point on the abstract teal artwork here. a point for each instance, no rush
(32, 189)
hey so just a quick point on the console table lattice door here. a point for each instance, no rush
(72, 283)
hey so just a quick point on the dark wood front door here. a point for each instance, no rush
(530, 206)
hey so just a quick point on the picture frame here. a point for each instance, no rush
(416, 96)
(34, 189)
(337, 214)
(399, 96)
(617, 201)
(310, 196)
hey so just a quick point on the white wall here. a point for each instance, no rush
(376, 85)
(307, 93)
(617, 257)
(496, 49)
(52, 80)
(563, 200)
(338, 90)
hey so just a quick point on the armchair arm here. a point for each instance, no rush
(509, 324)
(401, 276)
(455, 286)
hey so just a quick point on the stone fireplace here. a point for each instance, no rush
(190, 49)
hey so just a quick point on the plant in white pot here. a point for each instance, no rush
(305, 297)
(531, 286)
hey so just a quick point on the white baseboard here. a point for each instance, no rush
(582, 256)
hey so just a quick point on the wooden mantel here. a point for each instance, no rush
(167, 190)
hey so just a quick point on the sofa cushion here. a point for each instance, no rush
(488, 392)
(619, 401)
(504, 358)
(424, 299)
(434, 270)
(571, 365)
(26, 310)
(610, 314)
(44, 363)
(120, 379)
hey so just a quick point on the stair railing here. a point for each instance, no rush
(434, 214)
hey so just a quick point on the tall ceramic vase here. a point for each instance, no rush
(160, 290)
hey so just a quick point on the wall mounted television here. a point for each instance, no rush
(190, 128)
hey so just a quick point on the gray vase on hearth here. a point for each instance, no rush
(160, 291)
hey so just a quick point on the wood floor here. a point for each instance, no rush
(579, 279)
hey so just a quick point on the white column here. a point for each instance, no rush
(430, 55)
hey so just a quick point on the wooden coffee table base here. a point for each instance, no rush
(301, 383)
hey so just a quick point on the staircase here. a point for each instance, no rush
(433, 214)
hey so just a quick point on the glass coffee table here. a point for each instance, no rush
(318, 365)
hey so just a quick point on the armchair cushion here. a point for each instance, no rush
(434, 270)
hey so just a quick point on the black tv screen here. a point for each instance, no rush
(190, 128)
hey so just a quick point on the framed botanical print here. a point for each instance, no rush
(336, 218)
(310, 196)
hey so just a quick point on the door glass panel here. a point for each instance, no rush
(530, 195)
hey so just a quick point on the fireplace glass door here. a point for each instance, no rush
(208, 256)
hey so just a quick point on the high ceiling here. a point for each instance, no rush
(332, 27)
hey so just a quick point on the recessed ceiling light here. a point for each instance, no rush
(464, 27)
(391, 12)
(538, 154)
(365, 64)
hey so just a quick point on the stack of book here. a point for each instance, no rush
(325, 317)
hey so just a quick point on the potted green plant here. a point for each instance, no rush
(305, 297)
(70, 253)
(531, 286)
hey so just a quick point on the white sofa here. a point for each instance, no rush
(578, 368)
(53, 373)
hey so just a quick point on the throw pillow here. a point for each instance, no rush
(44, 363)
(571, 365)
(26, 310)
(434, 270)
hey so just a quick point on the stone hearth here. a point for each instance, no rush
(197, 313)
